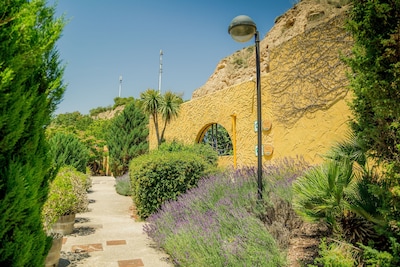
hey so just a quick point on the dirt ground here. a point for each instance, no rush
(303, 245)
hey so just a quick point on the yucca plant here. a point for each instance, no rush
(356, 229)
(337, 192)
(323, 192)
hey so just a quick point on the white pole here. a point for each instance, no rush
(159, 77)
(120, 86)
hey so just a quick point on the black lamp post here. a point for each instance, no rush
(242, 29)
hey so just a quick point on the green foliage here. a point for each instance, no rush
(338, 193)
(73, 122)
(218, 138)
(322, 193)
(335, 255)
(154, 105)
(67, 195)
(151, 100)
(205, 151)
(118, 101)
(123, 185)
(250, 49)
(375, 79)
(239, 62)
(162, 176)
(169, 109)
(373, 257)
(94, 138)
(375, 83)
(30, 88)
(67, 149)
(122, 101)
(91, 132)
(126, 138)
(96, 111)
(338, 3)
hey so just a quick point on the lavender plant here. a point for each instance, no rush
(215, 224)
(123, 185)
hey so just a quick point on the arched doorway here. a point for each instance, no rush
(218, 138)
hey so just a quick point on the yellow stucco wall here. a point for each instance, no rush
(303, 96)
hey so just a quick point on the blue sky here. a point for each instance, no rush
(106, 39)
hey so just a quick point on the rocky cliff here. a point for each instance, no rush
(240, 66)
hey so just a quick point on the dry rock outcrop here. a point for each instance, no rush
(240, 66)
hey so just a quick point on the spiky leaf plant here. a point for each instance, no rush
(337, 192)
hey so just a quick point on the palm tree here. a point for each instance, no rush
(169, 109)
(151, 100)
(154, 104)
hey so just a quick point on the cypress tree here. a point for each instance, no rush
(127, 138)
(375, 83)
(375, 26)
(30, 88)
(67, 150)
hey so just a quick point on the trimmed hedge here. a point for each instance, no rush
(204, 150)
(163, 176)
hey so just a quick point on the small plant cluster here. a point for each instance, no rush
(67, 195)
(339, 3)
(163, 175)
(123, 185)
(96, 111)
(218, 222)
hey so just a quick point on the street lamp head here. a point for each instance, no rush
(242, 28)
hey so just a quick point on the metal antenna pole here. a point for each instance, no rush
(159, 76)
(120, 86)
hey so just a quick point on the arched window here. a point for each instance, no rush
(218, 138)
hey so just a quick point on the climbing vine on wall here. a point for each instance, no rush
(307, 73)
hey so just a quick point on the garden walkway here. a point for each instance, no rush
(107, 235)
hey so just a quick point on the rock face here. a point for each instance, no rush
(110, 113)
(240, 66)
(303, 86)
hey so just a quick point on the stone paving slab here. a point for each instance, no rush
(109, 234)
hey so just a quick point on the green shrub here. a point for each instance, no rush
(373, 257)
(67, 150)
(96, 111)
(205, 151)
(67, 195)
(122, 101)
(335, 255)
(162, 176)
(123, 185)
